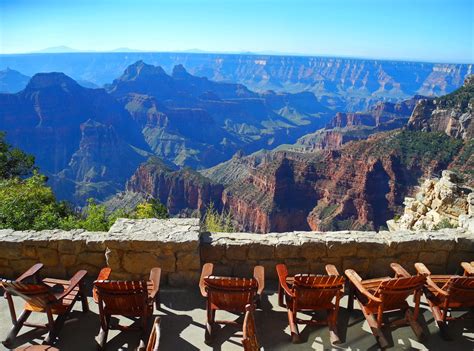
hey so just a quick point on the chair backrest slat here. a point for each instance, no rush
(316, 290)
(461, 290)
(394, 292)
(229, 293)
(124, 297)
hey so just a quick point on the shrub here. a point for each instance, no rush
(213, 221)
(151, 209)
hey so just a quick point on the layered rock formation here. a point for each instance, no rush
(345, 127)
(359, 186)
(439, 203)
(182, 191)
(450, 114)
(349, 84)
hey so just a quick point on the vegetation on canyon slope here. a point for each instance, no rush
(26, 202)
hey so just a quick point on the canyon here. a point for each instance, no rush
(276, 161)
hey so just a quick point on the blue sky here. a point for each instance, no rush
(427, 30)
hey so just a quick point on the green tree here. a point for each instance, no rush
(29, 204)
(13, 161)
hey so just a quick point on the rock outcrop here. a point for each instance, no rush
(450, 114)
(182, 191)
(439, 203)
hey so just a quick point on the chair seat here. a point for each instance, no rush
(58, 308)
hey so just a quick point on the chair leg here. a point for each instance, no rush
(350, 297)
(16, 328)
(144, 333)
(332, 324)
(376, 331)
(295, 335)
(84, 302)
(440, 321)
(208, 335)
(103, 333)
(54, 328)
(414, 324)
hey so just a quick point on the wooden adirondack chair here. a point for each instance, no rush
(49, 296)
(249, 338)
(377, 296)
(445, 293)
(310, 292)
(228, 294)
(132, 299)
(468, 268)
(154, 340)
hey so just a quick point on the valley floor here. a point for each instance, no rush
(182, 328)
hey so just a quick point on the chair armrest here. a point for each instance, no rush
(357, 281)
(259, 275)
(468, 268)
(34, 270)
(206, 271)
(282, 272)
(331, 269)
(155, 276)
(104, 273)
(399, 271)
(421, 269)
(431, 284)
(75, 281)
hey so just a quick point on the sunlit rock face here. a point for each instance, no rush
(443, 202)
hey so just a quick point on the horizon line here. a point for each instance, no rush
(249, 53)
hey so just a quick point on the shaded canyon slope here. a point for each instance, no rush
(192, 121)
(82, 138)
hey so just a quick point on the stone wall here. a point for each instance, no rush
(132, 247)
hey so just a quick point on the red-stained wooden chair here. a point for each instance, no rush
(133, 299)
(228, 294)
(154, 340)
(468, 268)
(381, 295)
(445, 293)
(310, 293)
(48, 295)
(249, 334)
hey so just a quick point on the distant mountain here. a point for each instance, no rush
(56, 50)
(192, 121)
(346, 83)
(12, 81)
(82, 138)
